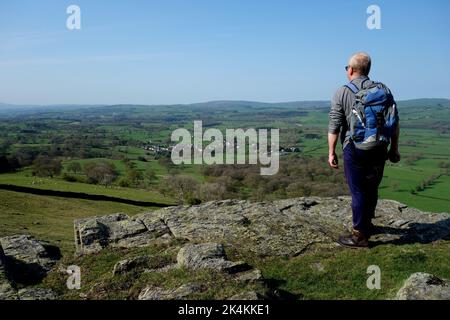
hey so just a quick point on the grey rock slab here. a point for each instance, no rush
(210, 256)
(424, 286)
(247, 295)
(127, 265)
(251, 276)
(37, 294)
(118, 230)
(7, 290)
(28, 260)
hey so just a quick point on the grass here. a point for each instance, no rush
(98, 281)
(51, 218)
(24, 178)
(344, 273)
(399, 180)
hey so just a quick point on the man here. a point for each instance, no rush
(363, 168)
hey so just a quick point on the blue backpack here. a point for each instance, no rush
(374, 116)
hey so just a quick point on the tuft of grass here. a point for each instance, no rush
(343, 272)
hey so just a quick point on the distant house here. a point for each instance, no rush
(158, 149)
(286, 150)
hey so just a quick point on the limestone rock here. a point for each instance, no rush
(155, 226)
(37, 294)
(118, 230)
(424, 286)
(125, 229)
(247, 295)
(208, 255)
(27, 259)
(156, 293)
(251, 276)
(129, 264)
(287, 227)
(292, 226)
(91, 234)
(7, 291)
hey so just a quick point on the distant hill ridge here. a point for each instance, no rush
(230, 104)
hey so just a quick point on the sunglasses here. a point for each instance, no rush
(346, 68)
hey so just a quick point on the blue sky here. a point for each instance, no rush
(153, 52)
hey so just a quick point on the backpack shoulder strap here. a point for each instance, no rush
(352, 87)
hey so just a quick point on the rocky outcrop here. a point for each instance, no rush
(118, 230)
(37, 294)
(28, 260)
(424, 286)
(283, 228)
(280, 228)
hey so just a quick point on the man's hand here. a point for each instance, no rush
(394, 155)
(333, 160)
(332, 157)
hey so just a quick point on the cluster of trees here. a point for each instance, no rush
(426, 183)
(135, 177)
(44, 166)
(298, 176)
(105, 173)
(22, 157)
(96, 172)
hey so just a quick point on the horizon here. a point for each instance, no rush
(175, 52)
(186, 104)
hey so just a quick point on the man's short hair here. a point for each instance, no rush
(361, 63)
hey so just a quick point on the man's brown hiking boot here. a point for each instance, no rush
(354, 240)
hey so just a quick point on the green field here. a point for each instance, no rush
(25, 180)
(51, 218)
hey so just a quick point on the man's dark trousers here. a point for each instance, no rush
(364, 170)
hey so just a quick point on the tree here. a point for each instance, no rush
(211, 191)
(74, 167)
(134, 176)
(4, 147)
(183, 187)
(4, 164)
(101, 172)
(44, 166)
(25, 156)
